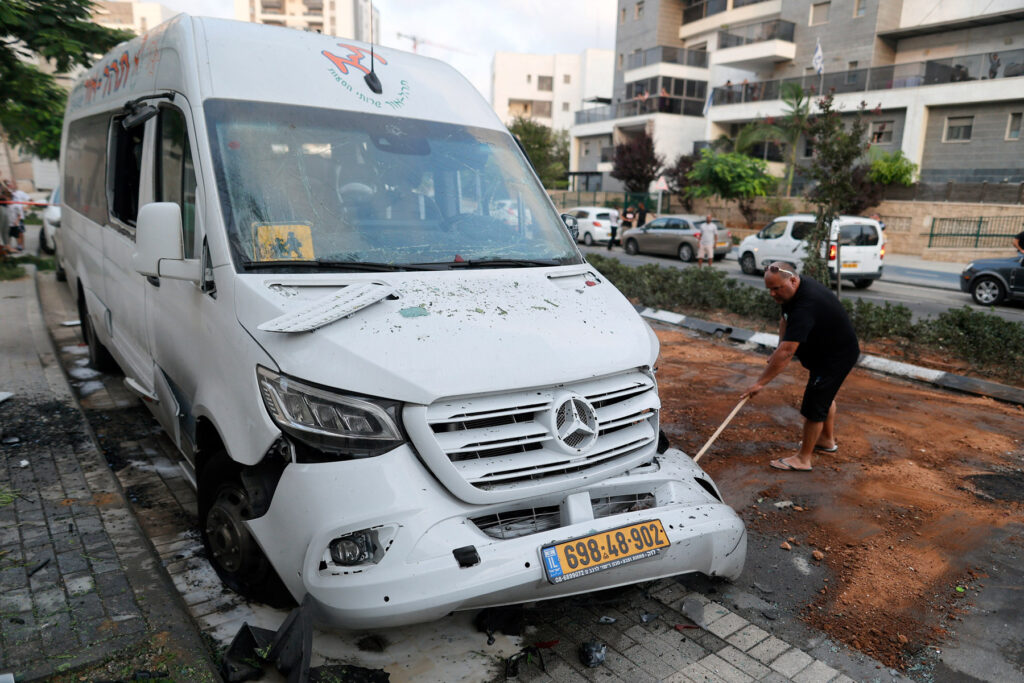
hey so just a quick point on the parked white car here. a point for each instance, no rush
(595, 223)
(860, 248)
(390, 400)
(51, 223)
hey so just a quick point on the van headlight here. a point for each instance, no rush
(341, 425)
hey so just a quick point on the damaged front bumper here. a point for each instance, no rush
(415, 575)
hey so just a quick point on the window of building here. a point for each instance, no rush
(542, 109)
(123, 177)
(175, 174)
(851, 73)
(809, 71)
(586, 149)
(958, 128)
(1013, 126)
(565, 106)
(567, 79)
(622, 59)
(545, 83)
(858, 8)
(638, 11)
(819, 13)
(529, 78)
(881, 132)
(622, 16)
(808, 148)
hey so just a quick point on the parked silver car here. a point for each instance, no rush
(674, 234)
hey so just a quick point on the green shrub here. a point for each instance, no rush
(978, 337)
(872, 321)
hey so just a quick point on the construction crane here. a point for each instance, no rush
(416, 41)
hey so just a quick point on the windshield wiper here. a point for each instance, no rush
(326, 264)
(502, 263)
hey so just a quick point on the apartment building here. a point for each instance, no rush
(137, 17)
(342, 18)
(549, 88)
(940, 77)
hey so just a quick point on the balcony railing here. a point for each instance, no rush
(990, 65)
(757, 33)
(652, 105)
(668, 55)
(695, 11)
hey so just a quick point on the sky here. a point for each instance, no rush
(467, 33)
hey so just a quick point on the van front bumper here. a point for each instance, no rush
(419, 579)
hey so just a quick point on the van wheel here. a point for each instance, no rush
(99, 358)
(237, 558)
(862, 283)
(747, 264)
(632, 248)
(685, 252)
(588, 239)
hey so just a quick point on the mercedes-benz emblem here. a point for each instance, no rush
(575, 423)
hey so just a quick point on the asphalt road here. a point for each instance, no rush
(934, 292)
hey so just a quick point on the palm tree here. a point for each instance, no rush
(785, 130)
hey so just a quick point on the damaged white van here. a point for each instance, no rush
(389, 399)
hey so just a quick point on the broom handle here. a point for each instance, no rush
(720, 428)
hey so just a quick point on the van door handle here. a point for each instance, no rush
(153, 280)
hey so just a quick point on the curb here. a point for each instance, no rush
(156, 596)
(943, 380)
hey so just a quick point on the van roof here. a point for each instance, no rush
(812, 217)
(202, 58)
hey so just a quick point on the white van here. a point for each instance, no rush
(388, 399)
(860, 249)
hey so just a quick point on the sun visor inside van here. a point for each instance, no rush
(328, 309)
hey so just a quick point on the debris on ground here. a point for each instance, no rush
(508, 621)
(785, 545)
(607, 620)
(694, 611)
(531, 654)
(647, 618)
(592, 654)
(818, 555)
(4, 395)
(71, 323)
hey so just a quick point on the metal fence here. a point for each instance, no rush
(983, 232)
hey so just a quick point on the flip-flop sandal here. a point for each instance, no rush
(781, 464)
(822, 449)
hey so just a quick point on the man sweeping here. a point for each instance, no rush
(816, 329)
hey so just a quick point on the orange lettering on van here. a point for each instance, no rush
(354, 59)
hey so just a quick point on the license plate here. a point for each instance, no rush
(850, 264)
(720, 244)
(604, 550)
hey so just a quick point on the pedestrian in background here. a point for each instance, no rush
(1018, 242)
(816, 329)
(641, 215)
(20, 201)
(611, 239)
(707, 237)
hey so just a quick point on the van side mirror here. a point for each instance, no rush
(572, 225)
(159, 251)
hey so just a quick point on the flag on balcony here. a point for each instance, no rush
(707, 100)
(818, 60)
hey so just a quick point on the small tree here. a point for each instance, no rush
(891, 168)
(547, 150)
(837, 150)
(732, 177)
(785, 130)
(31, 101)
(636, 164)
(677, 178)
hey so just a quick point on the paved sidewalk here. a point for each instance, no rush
(79, 583)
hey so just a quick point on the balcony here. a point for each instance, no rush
(699, 10)
(668, 55)
(1007, 64)
(758, 44)
(652, 105)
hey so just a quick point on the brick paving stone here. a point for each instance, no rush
(79, 584)
(111, 584)
(724, 670)
(791, 662)
(14, 601)
(843, 678)
(768, 649)
(87, 606)
(744, 663)
(627, 669)
(727, 625)
(776, 677)
(698, 674)
(817, 672)
(709, 641)
(649, 661)
(713, 611)
(746, 638)
(72, 562)
(18, 627)
(50, 601)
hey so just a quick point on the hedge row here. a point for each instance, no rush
(981, 339)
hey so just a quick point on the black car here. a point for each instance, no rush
(992, 280)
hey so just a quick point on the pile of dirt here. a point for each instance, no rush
(920, 479)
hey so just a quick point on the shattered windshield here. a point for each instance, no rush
(322, 188)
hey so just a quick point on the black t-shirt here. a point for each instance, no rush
(1020, 239)
(641, 217)
(818, 322)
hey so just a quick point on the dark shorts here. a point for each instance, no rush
(16, 230)
(821, 390)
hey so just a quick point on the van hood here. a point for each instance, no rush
(450, 333)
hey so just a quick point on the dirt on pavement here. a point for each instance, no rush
(922, 477)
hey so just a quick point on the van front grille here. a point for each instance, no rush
(532, 520)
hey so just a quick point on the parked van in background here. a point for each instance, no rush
(390, 396)
(860, 250)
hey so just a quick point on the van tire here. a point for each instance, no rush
(862, 283)
(99, 357)
(748, 264)
(632, 248)
(224, 506)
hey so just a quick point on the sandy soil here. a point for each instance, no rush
(922, 477)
